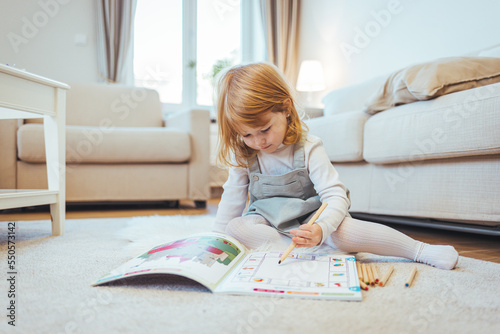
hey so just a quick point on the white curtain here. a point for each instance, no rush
(281, 27)
(115, 20)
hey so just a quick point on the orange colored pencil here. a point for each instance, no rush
(387, 274)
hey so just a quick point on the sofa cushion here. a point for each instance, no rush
(99, 104)
(109, 145)
(89, 104)
(112, 182)
(433, 79)
(342, 135)
(492, 51)
(351, 98)
(460, 124)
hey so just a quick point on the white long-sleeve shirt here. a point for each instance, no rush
(321, 173)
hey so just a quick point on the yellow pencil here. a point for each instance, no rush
(360, 272)
(370, 274)
(310, 222)
(388, 273)
(366, 279)
(375, 273)
(411, 277)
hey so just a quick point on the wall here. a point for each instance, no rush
(42, 35)
(361, 39)
(39, 36)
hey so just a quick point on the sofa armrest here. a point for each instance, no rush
(342, 135)
(8, 154)
(197, 123)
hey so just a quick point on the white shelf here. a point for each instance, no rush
(26, 95)
(15, 198)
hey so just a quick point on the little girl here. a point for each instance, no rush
(286, 175)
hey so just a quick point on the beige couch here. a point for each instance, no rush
(118, 149)
(433, 162)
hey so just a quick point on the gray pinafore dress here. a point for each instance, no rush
(287, 200)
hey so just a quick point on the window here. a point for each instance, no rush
(180, 44)
(158, 48)
(218, 43)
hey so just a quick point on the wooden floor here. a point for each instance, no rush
(476, 246)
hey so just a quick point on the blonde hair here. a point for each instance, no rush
(245, 94)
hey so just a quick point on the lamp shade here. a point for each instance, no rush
(311, 77)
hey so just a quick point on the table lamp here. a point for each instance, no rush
(311, 78)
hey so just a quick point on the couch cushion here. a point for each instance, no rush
(351, 98)
(433, 79)
(342, 135)
(491, 51)
(112, 182)
(109, 145)
(99, 104)
(460, 124)
(89, 104)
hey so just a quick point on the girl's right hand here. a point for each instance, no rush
(307, 235)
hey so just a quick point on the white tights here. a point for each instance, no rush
(352, 235)
(254, 231)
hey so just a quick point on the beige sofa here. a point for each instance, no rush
(433, 162)
(119, 148)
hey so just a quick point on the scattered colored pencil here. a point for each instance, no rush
(370, 274)
(363, 285)
(375, 273)
(366, 279)
(360, 272)
(387, 274)
(411, 277)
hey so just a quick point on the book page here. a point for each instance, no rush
(205, 258)
(307, 275)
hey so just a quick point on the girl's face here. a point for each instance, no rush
(269, 137)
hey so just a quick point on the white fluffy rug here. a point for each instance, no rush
(53, 293)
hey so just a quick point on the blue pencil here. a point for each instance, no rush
(411, 277)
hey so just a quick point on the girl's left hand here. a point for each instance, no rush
(307, 235)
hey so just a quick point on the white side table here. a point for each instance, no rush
(26, 95)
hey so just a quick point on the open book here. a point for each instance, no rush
(223, 265)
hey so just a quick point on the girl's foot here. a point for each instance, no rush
(439, 256)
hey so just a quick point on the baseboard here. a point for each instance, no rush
(429, 223)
